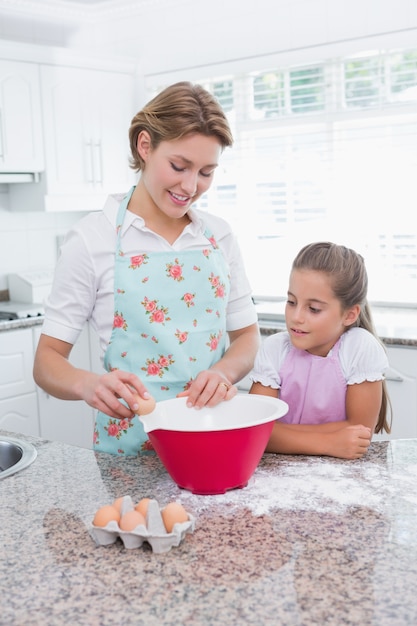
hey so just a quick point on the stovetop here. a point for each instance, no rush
(19, 310)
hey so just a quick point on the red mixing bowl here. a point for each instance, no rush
(212, 450)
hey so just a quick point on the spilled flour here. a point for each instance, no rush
(327, 487)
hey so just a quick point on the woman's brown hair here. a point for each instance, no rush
(179, 110)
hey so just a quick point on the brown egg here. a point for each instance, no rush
(172, 514)
(118, 504)
(144, 406)
(131, 519)
(142, 506)
(106, 514)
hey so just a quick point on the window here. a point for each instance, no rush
(268, 94)
(363, 82)
(323, 151)
(223, 91)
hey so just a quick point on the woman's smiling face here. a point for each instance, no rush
(178, 172)
(314, 316)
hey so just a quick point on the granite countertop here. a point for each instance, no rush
(310, 541)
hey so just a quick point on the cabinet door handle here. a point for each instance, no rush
(89, 161)
(1, 136)
(97, 164)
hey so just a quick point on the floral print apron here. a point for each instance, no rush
(169, 324)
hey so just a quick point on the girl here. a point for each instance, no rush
(162, 284)
(328, 366)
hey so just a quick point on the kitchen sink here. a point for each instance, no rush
(15, 455)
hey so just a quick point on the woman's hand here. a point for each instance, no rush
(208, 389)
(212, 386)
(56, 375)
(105, 392)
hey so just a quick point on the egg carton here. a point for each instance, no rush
(153, 533)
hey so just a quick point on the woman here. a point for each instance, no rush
(162, 284)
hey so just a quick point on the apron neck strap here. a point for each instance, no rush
(121, 213)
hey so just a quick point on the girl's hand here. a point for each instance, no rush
(350, 442)
(104, 392)
(208, 389)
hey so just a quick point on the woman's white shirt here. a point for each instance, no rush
(83, 286)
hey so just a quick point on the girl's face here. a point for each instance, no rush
(314, 316)
(178, 172)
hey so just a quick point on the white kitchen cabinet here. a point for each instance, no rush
(18, 399)
(21, 144)
(87, 114)
(20, 414)
(71, 422)
(86, 117)
(402, 388)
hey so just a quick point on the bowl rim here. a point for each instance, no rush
(280, 406)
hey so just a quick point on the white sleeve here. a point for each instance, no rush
(362, 357)
(73, 293)
(269, 360)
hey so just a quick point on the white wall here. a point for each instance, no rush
(28, 240)
(187, 33)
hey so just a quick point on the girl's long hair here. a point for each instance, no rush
(349, 280)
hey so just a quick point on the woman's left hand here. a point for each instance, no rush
(208, 389)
